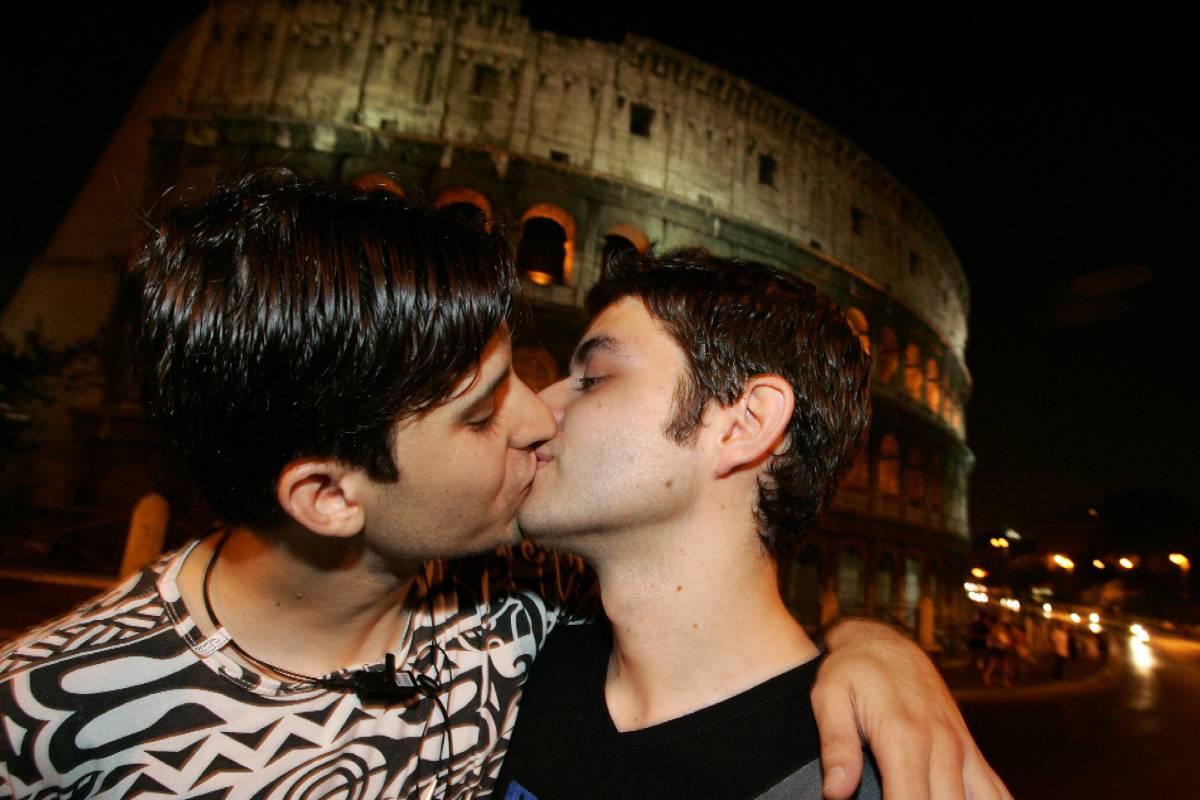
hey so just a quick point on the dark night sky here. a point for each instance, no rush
(1049, 149)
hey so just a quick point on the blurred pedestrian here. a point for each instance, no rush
(977, 635)
(1062, 650)
(1022, 653)
(999, 647)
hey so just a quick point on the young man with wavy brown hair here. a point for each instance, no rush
(711, 410)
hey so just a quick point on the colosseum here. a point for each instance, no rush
(584, 149)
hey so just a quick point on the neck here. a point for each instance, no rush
(697, 618)
(271, 594)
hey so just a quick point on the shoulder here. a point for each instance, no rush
(807, 782)
(123, 614)
(64, 686)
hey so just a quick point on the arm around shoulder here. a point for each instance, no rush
(877, 685)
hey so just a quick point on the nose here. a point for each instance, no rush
(555, 396)
(538, 424)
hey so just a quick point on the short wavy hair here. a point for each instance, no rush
(736, 319)
(282, 318)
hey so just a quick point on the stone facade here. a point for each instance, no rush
(608, 145)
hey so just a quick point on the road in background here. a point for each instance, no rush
(1136, 738)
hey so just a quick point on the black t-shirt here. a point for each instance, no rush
(565, 744)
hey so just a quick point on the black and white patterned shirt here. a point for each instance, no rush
(119, 698)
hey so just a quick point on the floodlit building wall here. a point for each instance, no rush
(588, 146)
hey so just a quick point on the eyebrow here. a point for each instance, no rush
(590, 345)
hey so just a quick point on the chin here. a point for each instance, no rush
(502, 537)
(542, 529)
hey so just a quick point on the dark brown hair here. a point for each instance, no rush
(736, 319)
(281, 318)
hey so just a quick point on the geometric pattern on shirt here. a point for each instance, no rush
(112, 699)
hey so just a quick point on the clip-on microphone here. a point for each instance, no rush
(388, 683)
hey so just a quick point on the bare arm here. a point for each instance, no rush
(877, 685)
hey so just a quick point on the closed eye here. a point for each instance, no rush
(586, 382)
(483, 425)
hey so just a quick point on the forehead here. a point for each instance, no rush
(626, 330)
(494, 362)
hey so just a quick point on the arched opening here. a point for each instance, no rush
(546, 252)
(888, 362)
(851, 587)
(616, 249)
(858, 477)
(914, 373)
(889, 467)
(472, 215)
(912, 590)
(631, 234)
(620, 242)
(933, 388)
(372, 182)
(885, 585)
(858, 324)
(542, 251)
(932, 586)
(936, 478)
(914, 477)
(535, 366)
(471, 205)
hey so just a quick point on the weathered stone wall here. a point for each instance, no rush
(476, 74)
(464, 99)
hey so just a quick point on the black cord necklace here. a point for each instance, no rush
(388, 682)
(298, 677)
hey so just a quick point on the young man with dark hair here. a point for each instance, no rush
(711, 409)
(333, 369)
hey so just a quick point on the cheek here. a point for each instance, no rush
(490, 469)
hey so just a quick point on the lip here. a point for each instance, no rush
(543, 456)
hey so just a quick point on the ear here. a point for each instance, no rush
(319, 495)
(755, 427)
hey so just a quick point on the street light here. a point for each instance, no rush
(979, 572)
(1126, 563)
(1181, 561)
(1097, 563)
(1063, 561)
(999, 542)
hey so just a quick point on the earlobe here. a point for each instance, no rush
(319, 495)
(755, 426)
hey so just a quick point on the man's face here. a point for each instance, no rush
(465, 466)
(611, 466)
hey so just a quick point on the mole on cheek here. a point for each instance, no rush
(679, 588)
(669, 483)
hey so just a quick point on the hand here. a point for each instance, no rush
(875, 682)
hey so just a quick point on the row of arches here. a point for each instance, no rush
(885, 581)
(546, 256)
(906, 482)
(546, 245)
(921, 379)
